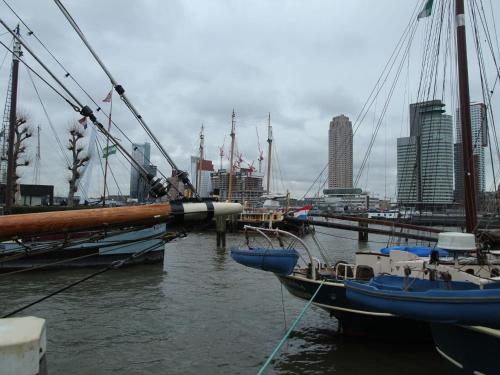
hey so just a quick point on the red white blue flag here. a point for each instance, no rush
(301, 213)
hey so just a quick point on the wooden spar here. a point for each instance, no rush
(366, 229)
(29, 225)
(383, 222)
(465, 120)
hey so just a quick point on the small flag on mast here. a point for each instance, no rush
(83, 121)
(110, 150)
(107, 99)
(426, 11)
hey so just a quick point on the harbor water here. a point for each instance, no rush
(200, 313)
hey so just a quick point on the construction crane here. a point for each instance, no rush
(221, 152)
(261, 152)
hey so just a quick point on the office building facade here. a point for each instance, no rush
(139, 187)
(479, 127)
(425, 159)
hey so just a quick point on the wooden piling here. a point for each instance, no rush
(363, 235)
(220, 227)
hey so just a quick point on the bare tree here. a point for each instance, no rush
(22, 131)
(78, 160)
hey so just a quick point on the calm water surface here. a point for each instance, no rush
(199, 313)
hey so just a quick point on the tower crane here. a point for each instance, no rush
(261, 152)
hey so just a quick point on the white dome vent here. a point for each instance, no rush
(456, 241)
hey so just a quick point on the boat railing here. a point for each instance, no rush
(345, 271)
(265, 232)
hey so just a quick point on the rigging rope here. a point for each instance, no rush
(292, 327)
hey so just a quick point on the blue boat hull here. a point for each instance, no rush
(468, 350)
(279, 261)
(429, 300)
(355, 319)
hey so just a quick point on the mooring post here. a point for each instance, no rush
(220, 227)
(363, 235)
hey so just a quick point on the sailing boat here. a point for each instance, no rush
(357, 317)
(82, 249)
(273, 211)
(464, 316)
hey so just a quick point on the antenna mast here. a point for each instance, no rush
(231, 160)
(200, 161)
(36, 174)
(11, 163)
(269, 152)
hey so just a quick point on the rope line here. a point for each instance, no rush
(292, 327)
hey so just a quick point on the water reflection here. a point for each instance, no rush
(316, 350)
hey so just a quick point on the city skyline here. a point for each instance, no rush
(293, 70)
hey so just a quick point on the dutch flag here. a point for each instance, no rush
(301, 213)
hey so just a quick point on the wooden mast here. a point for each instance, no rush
(11, 163)
(231, 160)
(465, 119)
(269, 152)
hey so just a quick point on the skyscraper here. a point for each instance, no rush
(425, 158)
(340, 153)
(479, 125)
(139, 187)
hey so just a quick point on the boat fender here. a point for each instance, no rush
(446, 276)
(434, 258)
(407, 271)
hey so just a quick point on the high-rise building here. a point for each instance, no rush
(479, 127)
(207, 168)
(425, 158)
(139, 187)
(340, 153)
(247, 186)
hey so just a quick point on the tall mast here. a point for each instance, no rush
(200, 160)
(36, 172)
(11, 163)
(110, 96)
(231, 167)
(269, 152)
(468, 158)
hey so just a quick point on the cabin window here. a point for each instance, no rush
(495, 272)
(470, 271)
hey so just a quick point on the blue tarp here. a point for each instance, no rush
(421, 251)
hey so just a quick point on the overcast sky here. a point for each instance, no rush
(184, 63)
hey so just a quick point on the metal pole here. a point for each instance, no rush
(107, 151)
(468, 157)
(269, 152)
(231, 168)
(11, 163)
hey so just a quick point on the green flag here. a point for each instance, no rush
(426, 11)
(110, 150)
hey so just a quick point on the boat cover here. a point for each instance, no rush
(280, 261)
(421, 251)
